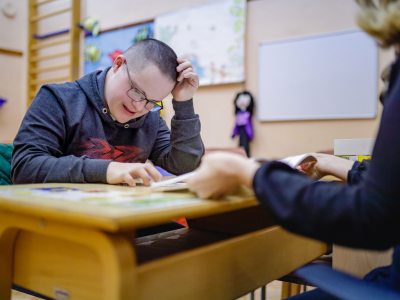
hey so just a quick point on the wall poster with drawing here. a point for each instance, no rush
(211, 36)
(101, 50)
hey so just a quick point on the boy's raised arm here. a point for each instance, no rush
(179, 151)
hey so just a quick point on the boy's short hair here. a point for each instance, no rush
(152, 51)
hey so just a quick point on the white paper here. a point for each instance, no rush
(173, 182)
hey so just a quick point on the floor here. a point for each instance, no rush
(273, 293)
(20, 296)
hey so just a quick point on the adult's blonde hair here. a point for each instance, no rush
(381, 20)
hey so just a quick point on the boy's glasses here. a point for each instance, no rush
(137, 96)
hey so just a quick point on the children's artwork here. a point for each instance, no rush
(91, 26)
(244, 104)
(101, 50)
(211, 36)
(126, 199)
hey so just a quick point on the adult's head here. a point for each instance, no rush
(152, 73)
(381, 19)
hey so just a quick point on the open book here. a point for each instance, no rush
(297, 160)
(178, 183)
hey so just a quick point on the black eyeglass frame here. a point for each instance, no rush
(154, 102)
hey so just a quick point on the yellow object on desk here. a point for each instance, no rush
(79, 241)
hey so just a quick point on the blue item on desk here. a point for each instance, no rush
(163, 172)
(2, 101)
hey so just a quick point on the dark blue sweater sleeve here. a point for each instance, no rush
(357, 172)
(38, 147)
(363, 215)
(179, 151)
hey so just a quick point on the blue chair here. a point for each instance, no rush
(343, 286)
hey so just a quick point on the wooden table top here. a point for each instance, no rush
(113, 208)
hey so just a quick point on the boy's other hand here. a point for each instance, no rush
(126, 172)
(187, 81)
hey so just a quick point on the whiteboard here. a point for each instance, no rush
(329, 76)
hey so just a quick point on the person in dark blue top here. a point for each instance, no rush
(364, 213)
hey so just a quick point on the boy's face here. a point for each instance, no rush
(150, 81)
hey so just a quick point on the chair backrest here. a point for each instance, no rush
(5, 163)
(239, 150)
(346, 287)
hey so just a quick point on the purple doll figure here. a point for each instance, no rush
(244, 104)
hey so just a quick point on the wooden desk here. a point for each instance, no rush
(77, 250)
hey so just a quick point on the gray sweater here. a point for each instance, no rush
(67, 135)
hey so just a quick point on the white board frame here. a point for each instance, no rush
(326, 76)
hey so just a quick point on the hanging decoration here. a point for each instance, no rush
(244, 104)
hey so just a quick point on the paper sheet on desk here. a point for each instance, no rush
(128, 199)
(177, 183)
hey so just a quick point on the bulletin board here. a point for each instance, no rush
(329, 76)
(101, 50)
(211, 36)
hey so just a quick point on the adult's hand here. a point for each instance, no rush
(327, 165)
(220, 173)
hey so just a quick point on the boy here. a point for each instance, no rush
(104, 126)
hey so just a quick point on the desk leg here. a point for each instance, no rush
(51, 262)
(7, 240)
(119, 268)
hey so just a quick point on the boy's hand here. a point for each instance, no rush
(126, 172)
(187, 81)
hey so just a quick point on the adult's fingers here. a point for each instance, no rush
(204, 191)
(303, 167)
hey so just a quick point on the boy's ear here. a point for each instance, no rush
(118, 62)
